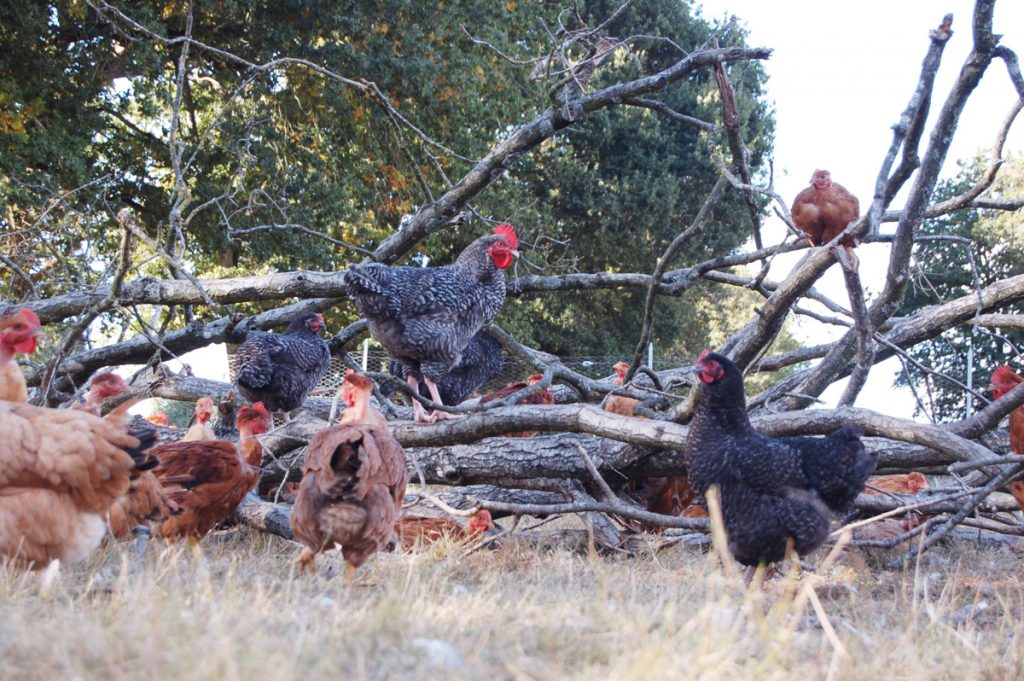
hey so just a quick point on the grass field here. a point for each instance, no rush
(234, 609)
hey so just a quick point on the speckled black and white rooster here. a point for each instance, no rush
(280, 369)
(773, 489)
(425, 316)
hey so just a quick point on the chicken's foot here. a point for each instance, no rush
(435, 395)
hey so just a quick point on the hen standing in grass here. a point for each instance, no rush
(823, 210)
(18, 334)
(280, 370)
(480, 362)
(353, 483)
(425, 316)
(61, 471)
(773, 489)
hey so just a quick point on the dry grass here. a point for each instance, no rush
(235, 610)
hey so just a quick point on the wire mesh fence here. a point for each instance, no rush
(592, 366)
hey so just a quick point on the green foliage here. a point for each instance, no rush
(947, 269)
(86, 108)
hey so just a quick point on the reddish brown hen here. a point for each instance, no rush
(413, 530)
(18, 334)
(542, 396)
(1003, 381)
(823, 210)
(61, 470)
(353, 485)
(899, 483)
(209, 479)
(145, 501)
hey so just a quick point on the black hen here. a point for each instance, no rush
(772, 489)
(280, 370)
(425, 316)
(480, 362)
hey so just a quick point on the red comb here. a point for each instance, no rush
(29, 315)
(261, 410)
(508, 233)
(703, 355)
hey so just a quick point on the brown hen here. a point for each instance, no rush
(353, 484)
(823, 210)
(1003, 381)
(61, 470)
(413, 530)
(620, 404)
(542, 396)
(209, 479)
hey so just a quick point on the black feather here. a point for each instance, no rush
(481, 361)
(280, 370)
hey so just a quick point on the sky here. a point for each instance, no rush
(840, 76)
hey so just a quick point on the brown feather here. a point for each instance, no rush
(353, 485)
(823, 213)
(60, 473)
(207, 480)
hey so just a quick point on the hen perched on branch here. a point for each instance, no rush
(823, 211)
(425, 316)
(280, 370)
(773, 489)
(18, 334)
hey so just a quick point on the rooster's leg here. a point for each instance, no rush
(418, 412)
(437, 414)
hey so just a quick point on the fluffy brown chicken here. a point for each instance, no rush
(201, 431)
(209, 479)
(103, 387)
(353, 485)
(413, 530)
(61, 470)
(18, 334)
(823, 210)
(145, 501)
(542, 396)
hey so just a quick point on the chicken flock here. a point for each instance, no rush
(69, 477)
